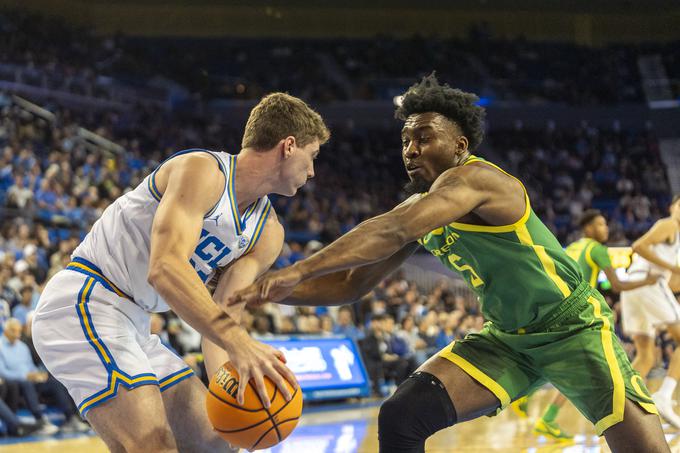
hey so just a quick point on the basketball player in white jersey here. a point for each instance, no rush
(154, 249)
(646, 308)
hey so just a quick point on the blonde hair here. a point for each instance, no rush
(279, 115)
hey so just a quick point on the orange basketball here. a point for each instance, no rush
(250, 425)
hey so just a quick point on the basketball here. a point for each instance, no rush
(250, 425)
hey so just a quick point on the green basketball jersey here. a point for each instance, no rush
(519, 272)
(591, 257)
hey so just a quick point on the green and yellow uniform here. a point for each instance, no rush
(545, 322)
(591, 257)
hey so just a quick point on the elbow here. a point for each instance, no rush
(637, 247)
(157, 270)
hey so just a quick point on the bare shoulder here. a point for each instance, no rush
(667, 224)
(197, 170)
(273, 226)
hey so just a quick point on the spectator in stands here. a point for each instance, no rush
(157, 327)
(15, 427)
(16, 366)
(345, 325)
(409, 332)
(372, 349)
(399, 360)
(25, 304)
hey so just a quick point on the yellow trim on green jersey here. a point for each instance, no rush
(593, 266)
(544, 258)
(619, 394)
(496, 228)
(478, 375)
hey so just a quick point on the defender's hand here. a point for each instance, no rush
(255, 360)
(272, 287)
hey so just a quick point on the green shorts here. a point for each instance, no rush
(575, 349)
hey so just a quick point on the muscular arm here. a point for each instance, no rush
(349, 285)
(239, 275)
(193, 186)
(660, 232)
(454, 194)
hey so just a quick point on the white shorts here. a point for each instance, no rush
(93, 338)
(645, 308)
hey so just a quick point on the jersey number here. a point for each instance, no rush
(474, 278)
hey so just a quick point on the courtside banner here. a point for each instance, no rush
(325, 367)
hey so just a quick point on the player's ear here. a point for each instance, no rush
(462, 144)
(289, 145)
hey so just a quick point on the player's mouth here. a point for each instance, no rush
(412, 168)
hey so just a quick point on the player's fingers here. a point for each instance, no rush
(280, 382)
(286, 373)
(280, 355)
(244, 377)
(260, 388)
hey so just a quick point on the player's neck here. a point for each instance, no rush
(253, 178)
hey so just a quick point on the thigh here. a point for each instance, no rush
(639, 431)
(481, 374)
(134, 421)
(589, 366)
(185, 409)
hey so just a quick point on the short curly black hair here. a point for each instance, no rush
(588, 216)
(457, 105)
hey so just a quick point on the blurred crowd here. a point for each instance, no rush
(44, 52)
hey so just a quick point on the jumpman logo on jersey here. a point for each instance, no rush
(217, 220)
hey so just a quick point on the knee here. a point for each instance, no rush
(151, 438)
(419, 408)
(392, 413)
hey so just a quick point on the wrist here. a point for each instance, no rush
(304, 269)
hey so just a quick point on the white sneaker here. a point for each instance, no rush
(75, 425)
(665, 407)
(47, 429)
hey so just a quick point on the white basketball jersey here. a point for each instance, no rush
(119, 242)
(665, 251)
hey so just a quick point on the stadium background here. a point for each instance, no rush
(582, 101)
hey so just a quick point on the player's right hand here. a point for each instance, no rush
(253, 361)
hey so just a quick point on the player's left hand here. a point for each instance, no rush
(272, 287)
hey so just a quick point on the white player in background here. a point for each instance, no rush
(154, 249)
(646, 308)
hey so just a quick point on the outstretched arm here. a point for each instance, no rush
(455, 193)
(349, 285)
(618, 285)
(452, 196)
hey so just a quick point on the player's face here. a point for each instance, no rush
(298, 167)
(601, 229)
(431, 144)
(13, 332)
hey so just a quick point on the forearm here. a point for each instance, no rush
(628, 286)
(179, 285)
(327, 290)
(373, 240)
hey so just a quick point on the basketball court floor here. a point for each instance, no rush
(350, 428)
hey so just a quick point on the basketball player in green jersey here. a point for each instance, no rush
(592, 256)
(545, 321)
